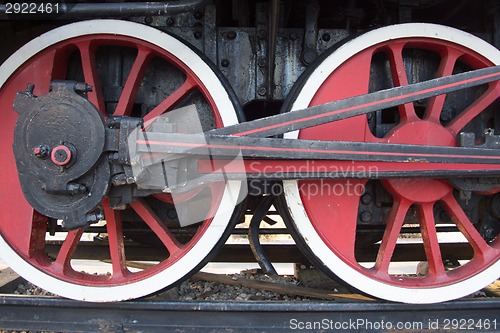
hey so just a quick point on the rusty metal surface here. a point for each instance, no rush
(55, 314)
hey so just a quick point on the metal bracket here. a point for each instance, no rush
(309, 53)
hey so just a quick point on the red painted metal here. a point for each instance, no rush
(335, 216)
(59, 149)
(25, 229)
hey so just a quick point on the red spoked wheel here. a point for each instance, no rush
(135, 71)
(327, 214)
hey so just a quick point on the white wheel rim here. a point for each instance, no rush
(291, 188)
(229, 200)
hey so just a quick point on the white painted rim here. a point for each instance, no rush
(230, 197)
(291, 189)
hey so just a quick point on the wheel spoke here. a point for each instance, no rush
(486, 99)
(36, 243)
(95, 53)
(129, 92)
(51, 66)
(115, 240)
(154, 222)
(429, 236)
(68, 248)
(465, 226)
(400, 78)
(435, 105)
(91, 75)
(395, 222)
(171, 100)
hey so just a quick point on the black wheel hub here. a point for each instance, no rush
(58, 144)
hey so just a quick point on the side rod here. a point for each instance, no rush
(359, 105)
(176, 145)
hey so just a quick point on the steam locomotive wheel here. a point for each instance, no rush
(325, 213)
(53, 57)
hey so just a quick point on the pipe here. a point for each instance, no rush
(116, 9)
(273, 34)
(253, 235)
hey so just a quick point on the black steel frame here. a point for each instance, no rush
(55, 314)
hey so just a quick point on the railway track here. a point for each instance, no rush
(317, 310)
(54, 314)
(141, 136)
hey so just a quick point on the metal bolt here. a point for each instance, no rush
(366, 216)
(61, 155)
(309, 56)
(197, 34)
(489, 233)
(42, 151)
(29, 89)
(93, 218)
(171, 214)
(366, 199)
(445, 116)
(293, 36)
(261, 62)
(74, 188)
(262, 91)
(326, 37)
(170, 22)
(224, 63)
(119, 206)
(231, 35)
(83, 87)
(148, 20)
(198, 15)
(119, 179)
(262, 34)
(114, 157)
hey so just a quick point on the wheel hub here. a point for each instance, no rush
(59, 142)
(420, 133)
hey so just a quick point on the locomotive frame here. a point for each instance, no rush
(118, 76)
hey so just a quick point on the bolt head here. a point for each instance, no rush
(61, 155)
(366, 216)
(41, 151)
(262, 91)
(198, 15)
(366, 199)
(197, 34)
